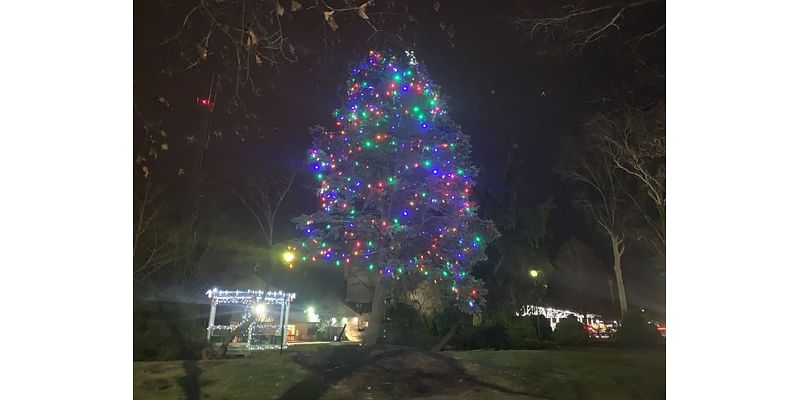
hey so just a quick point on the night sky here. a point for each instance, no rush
(504, 94)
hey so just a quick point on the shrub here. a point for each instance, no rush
(167, 331)
(522, 333)
(542, 324)
(636, 332)
(492, 334)
(500, 334)
(570, 332)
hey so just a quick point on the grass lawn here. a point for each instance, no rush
(354, 372)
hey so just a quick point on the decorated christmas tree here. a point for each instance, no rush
(395, 182)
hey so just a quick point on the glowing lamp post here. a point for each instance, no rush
(535, 274)
(288, 257)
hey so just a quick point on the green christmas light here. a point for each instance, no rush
(354, 158)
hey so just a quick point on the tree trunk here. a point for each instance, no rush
(375, 329)
(617, 248)
(223, 348)
(445, 339)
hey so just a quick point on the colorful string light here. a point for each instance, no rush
(395, 182)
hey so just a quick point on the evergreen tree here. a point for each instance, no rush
(395, 183)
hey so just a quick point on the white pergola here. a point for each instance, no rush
(258, 304)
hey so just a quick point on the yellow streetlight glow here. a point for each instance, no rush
(288, 256)
(534, 273)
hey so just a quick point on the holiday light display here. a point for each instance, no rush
(255, 305)
(555, 315)
(395, 182)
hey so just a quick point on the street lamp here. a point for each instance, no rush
(534, 273)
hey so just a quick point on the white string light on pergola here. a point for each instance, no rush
(253, 302)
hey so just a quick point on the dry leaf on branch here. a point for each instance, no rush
(258, 60)
(140, 159)
(362, 11)
(163, 133)
(436, 6)
(252, 39)
(180, 171)
(190, 139)
(279, 8)
(329, 19)
(146, 171)
(162, 100)
(451, 31)
(153, 153)
(164, 146)
(296, 6)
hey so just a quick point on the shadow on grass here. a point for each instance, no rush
(191, 381)
(399, 372)
(326, 367)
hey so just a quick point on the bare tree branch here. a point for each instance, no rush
(634, 143)
(264, 206)
(582, 26)
(151, 252)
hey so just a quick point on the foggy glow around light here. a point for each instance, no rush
(260, 309)
(534, 273)
(312, 315)
(288, 256)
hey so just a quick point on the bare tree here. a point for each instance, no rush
(604, 199)
(635, 143)
(263, 202)
(151, 250)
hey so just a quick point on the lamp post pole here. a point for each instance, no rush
(535, 274)
(284, 310)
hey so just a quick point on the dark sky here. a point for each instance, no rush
(499, 90)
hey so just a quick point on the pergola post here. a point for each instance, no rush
(212, 315)
(284, 322)
(280, 322)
